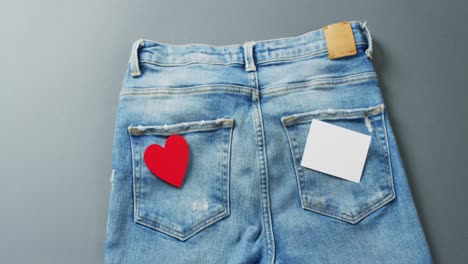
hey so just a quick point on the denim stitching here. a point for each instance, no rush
(266, 192)
(191, 44)
(292, 58)
(189, 63)
(186, 90)
(389, 154)
(345, 113)
(307, 55)
(144, 91)
(379, 135)
(171, 231)
(184, 127)
(340, 113)
(356, 218)
(299, 169)
(353, 218)
(265, 61)
(333, 212)
(256, 139)
(207, 221)
(139, 178)
(322, 82)
(294, 162)
(135, 209)
(228, 195)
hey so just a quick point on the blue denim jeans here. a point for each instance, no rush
(245, 111)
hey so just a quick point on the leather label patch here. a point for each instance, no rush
(340, 40)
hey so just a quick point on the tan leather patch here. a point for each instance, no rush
(340, 40)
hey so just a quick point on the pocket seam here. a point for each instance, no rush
(183, 127)
(193, 126)
(341, 114)
(183, 235)
(365, 212)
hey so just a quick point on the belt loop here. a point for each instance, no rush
(134, 64)
(369, 39)
(248, 55)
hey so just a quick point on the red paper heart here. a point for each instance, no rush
(169, 162)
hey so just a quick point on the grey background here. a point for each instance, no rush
(61, 68)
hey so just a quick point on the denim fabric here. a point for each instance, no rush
(245, 111)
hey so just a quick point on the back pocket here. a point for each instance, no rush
(203, 198)
(332, 196)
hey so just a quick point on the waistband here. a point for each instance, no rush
(249, 53)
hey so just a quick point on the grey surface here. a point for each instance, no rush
(61, 69)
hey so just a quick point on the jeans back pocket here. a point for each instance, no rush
(203, 198)
(332, 196)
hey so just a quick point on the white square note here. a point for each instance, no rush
(335, 150)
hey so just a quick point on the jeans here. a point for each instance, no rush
(245, 111)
